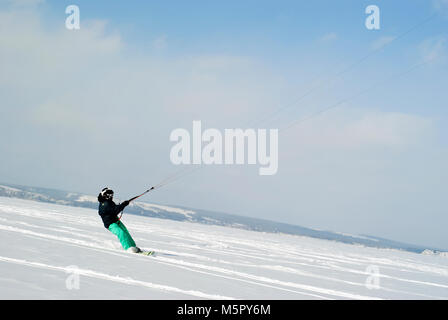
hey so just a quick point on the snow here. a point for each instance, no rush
(46, 248)
(432, 252)
(85, 198)
(356, 236)
(10, 189)
(158, 208)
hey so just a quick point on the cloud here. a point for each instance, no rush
(25, 3)
(73, 79)
(31, 57)
(89, 89)
(360, 129)
(93, 67)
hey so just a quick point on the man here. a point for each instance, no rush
(109, 211)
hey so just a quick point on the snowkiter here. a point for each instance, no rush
(109, 211)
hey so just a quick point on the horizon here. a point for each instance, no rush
(415, 245)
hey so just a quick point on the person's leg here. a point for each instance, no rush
(123, 227)
(132, 242)
(129, 240)
(123, 235)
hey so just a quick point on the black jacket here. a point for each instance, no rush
(109, 211)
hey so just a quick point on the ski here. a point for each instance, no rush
(148, 253)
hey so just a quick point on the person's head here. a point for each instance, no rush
(106, 194)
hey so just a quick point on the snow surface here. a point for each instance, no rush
(43, 246)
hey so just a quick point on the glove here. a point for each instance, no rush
(126, 203)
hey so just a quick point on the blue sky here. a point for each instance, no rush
(285, 36)
(95, 107)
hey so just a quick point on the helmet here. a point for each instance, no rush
(107, 194)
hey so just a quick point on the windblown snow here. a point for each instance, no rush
(50, 251)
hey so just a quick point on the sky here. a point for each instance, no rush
(94, 107)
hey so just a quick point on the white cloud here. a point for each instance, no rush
(58, 79)
(25, 3)
(71, 78)
(359, 129)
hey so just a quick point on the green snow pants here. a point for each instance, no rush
(119, 229)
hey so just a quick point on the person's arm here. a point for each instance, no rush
(121, 206)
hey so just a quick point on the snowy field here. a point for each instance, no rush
(50, 251)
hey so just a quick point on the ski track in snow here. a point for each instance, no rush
(127, 280)
(202, 261)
